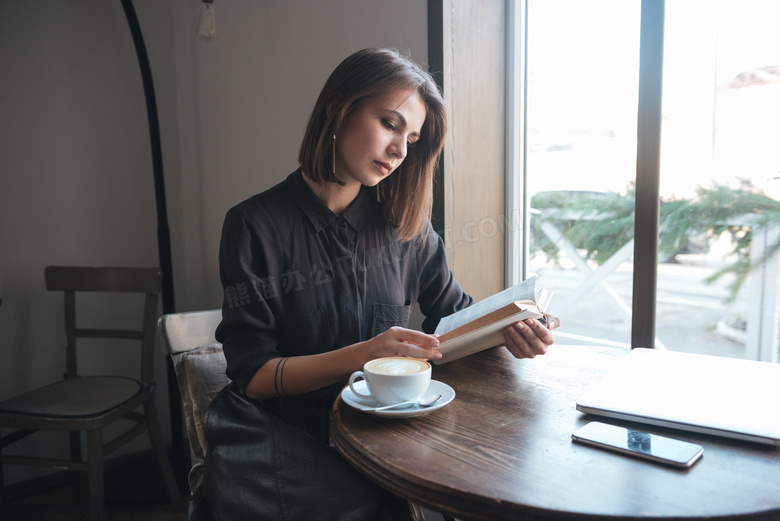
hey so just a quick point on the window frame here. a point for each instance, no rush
(646, 223)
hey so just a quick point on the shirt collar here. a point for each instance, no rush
(319, 214)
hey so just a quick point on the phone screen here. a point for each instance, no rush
(657, 448)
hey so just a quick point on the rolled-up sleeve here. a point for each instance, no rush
(248, 331)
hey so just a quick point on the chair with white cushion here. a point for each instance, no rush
(200, 370)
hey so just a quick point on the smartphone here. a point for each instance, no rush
(677, 453)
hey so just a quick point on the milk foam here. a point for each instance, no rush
(397, 366)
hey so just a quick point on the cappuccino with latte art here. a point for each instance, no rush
(393, 379)
(397, 365)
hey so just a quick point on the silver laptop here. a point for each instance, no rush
(701, 393)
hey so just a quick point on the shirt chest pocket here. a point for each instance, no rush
(304, 334)
(386, 316)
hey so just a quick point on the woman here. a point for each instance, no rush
(320, 273)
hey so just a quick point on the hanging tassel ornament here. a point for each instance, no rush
(207, 26)
(334, 154)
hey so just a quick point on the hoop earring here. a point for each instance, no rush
(334, 154)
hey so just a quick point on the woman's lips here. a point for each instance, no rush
(385, 168)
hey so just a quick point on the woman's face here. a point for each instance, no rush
(376, 136)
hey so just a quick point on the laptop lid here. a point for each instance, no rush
(700, 393)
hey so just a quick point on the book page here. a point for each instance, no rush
(525, 290)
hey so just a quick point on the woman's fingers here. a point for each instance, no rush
(407, 342)
(527, 339)
(552, 321)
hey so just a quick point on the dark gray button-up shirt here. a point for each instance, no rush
(300, 280)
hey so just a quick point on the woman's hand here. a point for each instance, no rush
(528, 338)
(399, 341)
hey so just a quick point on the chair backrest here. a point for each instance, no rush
(182, 332)
(71, 280)
(200, 370)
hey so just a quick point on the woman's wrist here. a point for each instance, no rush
(286, 376)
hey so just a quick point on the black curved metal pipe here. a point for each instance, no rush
(163, 232)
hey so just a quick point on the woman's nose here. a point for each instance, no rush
(398, 148)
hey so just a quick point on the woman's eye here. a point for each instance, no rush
(388, 124)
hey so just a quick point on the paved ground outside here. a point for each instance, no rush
(691, 315)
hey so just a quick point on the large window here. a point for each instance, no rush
(717, 269)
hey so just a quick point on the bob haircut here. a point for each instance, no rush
(407, 194)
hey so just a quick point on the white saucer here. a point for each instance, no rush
(361, 404)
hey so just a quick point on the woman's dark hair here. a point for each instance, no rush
(407, 194)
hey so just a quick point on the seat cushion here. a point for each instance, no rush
(201, 375)
(83, 397)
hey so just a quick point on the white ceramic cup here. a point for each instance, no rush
(393, 379)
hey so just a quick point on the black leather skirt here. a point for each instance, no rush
(259, 467)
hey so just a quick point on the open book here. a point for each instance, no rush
(479, 326)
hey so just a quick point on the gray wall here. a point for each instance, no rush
(75, 164)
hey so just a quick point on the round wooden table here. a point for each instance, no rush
(502, 450)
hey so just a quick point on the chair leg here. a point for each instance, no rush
(80, 490)
(416, 511)
(95, 463)
(2, 493)
(163, 462)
